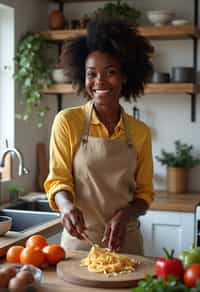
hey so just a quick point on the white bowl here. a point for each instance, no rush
(58, 76)
(5, 224)
(160, 17)
(180, 22)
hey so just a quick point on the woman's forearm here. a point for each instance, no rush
(64, 201)
(135, 209)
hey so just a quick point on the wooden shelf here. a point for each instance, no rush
(151, 88)
(152, 32)
(72, 1)
(166, 88)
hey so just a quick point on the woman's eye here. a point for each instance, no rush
(111, 72)
(91, 74)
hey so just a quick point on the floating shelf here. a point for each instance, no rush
(72, 1)
(167, 88)
(167, 32)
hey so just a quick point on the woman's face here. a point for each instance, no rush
(103, 81)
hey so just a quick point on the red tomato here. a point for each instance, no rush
(192, 274)
(165, 267)
(169, 266)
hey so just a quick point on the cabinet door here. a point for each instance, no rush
(173, 230)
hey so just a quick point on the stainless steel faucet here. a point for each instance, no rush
(21, 169)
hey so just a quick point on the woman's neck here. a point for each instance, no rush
(109, 116)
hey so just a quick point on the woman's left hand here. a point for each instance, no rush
(115, 230)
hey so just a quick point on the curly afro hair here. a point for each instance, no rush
(118, 38)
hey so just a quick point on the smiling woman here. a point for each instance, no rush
(100, 157)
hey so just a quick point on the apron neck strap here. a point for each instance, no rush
(127, 129)
(87, 125)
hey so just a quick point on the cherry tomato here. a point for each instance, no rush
(192, 274)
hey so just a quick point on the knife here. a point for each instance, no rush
(88, 239)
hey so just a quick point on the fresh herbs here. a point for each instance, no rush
(152, 284)
(33, 72)
(182, 157)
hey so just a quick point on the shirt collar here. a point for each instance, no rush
(95, 120)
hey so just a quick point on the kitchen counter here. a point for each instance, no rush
(51, 282)
(47, 229)
(163, 202)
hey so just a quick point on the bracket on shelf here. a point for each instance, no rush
(59, 102)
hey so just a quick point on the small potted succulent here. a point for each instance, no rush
(178, 164)
(119, 9)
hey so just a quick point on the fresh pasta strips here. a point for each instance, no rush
(102, 260)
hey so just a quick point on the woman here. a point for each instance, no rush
(101, 168)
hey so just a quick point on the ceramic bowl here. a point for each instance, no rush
(180, 22)
(160, 17)
(5, 224)
(160, 77)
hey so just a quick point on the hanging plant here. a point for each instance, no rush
(33, 72)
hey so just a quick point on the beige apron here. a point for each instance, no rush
(103, 171)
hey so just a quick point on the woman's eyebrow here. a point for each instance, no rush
(108, 66)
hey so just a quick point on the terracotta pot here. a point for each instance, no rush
(56, 20)
(177, 179)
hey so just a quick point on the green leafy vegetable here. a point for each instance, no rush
(153, 284)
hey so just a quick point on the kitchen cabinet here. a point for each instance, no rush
(172, 230)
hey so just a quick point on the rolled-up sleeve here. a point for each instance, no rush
(144, 171)
(60, 161)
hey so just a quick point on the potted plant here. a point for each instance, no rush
(14, 192)
(178, 164)
(33, 72)
(120, 9)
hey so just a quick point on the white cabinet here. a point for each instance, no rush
(173, 230)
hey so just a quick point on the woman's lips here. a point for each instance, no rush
(101, 92)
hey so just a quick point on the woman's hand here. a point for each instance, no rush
(115, 230)
(72, 219)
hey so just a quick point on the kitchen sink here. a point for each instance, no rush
(39, 205)
(24, 219)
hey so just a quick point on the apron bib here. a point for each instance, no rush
(103, 171)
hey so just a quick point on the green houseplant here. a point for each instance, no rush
(178, 164)
(14, 192)
(120, 9)
(33, 72)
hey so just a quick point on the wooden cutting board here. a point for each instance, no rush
(70, 271)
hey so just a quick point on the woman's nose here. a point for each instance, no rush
(100, 77)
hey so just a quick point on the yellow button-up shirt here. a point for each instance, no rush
(66, 133)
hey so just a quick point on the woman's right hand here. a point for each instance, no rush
(71, 217)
